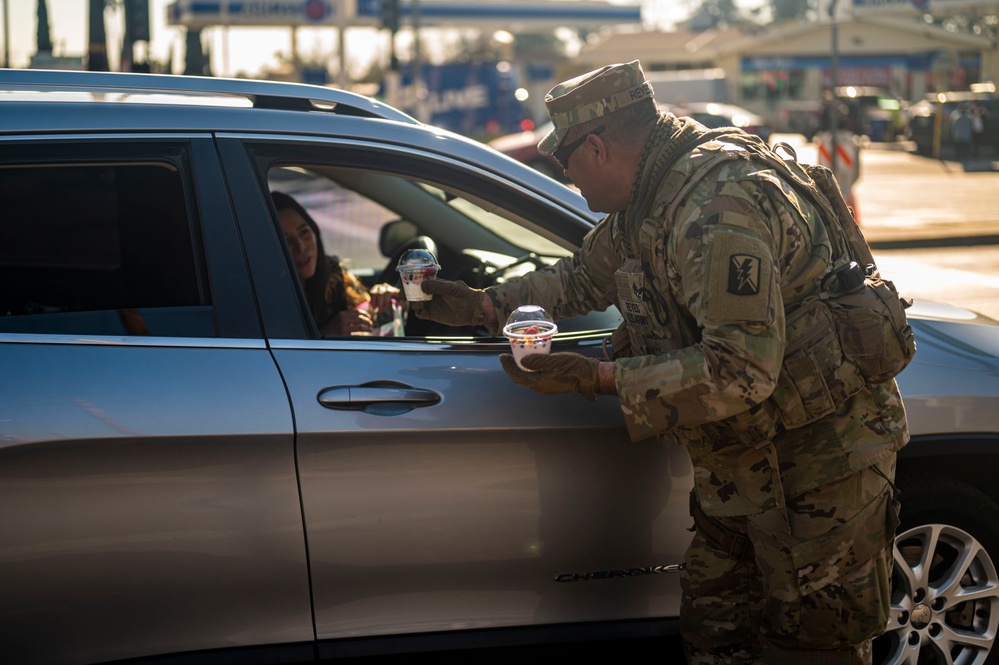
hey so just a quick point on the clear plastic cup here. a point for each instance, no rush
(530, 330)
(414, 267)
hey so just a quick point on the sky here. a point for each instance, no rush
(234, 51)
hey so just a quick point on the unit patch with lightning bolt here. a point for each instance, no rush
(739, 273)
(743, 275)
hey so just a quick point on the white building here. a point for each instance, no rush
(792, 61)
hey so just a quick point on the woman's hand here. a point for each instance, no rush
(348, 322)
(382, 296)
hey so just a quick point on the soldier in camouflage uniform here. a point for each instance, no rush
(715, 262)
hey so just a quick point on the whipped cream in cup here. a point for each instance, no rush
(529, 329)
(414, 267)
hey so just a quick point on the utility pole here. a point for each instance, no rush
(6, 34)
(43, 36)
(390, 22)
(97, 47)
(834, 75)
(136, 30)
(422, 113)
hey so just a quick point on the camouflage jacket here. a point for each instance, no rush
(703, 270)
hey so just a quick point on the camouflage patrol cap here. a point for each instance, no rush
(592, 95)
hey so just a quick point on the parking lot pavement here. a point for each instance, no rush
(934, 227)
(905, 200)
(933, 224)
(966, 277)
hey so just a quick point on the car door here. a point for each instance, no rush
(148, 495)
(438, 495)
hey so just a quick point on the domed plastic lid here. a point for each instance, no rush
(418, 258)
(529, 320)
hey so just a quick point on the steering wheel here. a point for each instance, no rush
(486, 274)
(531, 258)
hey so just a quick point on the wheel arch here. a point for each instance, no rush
(970, 458)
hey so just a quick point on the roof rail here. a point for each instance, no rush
(261, 94)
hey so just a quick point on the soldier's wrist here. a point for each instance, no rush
(488, 311)
(606, 385)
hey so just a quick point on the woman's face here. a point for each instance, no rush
(301, 242)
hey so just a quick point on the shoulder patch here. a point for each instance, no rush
(743, 275)
(740, 279)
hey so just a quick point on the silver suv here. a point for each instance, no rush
(189, 470)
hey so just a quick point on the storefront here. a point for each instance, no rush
(792, 62)
(897, 54)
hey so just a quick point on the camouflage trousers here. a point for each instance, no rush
(811, 583)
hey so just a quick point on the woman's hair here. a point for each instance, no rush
(315, 286)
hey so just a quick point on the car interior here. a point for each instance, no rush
(369, 219)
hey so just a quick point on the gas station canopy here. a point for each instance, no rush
(478, 13)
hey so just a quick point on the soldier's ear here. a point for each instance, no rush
(600, 147)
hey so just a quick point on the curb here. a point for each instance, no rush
(935, 241)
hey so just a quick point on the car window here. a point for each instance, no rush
(102, 248)
(367, 218)
(352, 207)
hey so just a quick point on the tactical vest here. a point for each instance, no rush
(847, 330)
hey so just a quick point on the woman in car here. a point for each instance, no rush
(340, 304)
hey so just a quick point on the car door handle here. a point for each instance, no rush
(378, 397)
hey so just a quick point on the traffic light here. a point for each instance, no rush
(390, 15)
(137, 20)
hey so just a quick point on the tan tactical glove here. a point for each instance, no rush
(555, 373)
(454, 303)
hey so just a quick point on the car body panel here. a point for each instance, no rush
(150, 501)
(523, 147)
(462, 513)
(950, 385)
(149, 511)
(379, 569)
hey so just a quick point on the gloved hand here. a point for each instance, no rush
(454, 303)
(555, 373)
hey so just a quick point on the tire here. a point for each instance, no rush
(945, 591)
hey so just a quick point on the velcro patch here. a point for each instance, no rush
(744, 275)
(740, 279)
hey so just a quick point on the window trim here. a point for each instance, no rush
(221, 267)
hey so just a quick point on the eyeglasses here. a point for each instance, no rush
(563, 153)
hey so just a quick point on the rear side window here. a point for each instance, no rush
(100, 249)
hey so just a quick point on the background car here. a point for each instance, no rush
(882, 115)
(924, 130)
(801, 117)
(190, 472)
(523, 146)
(713, 115)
